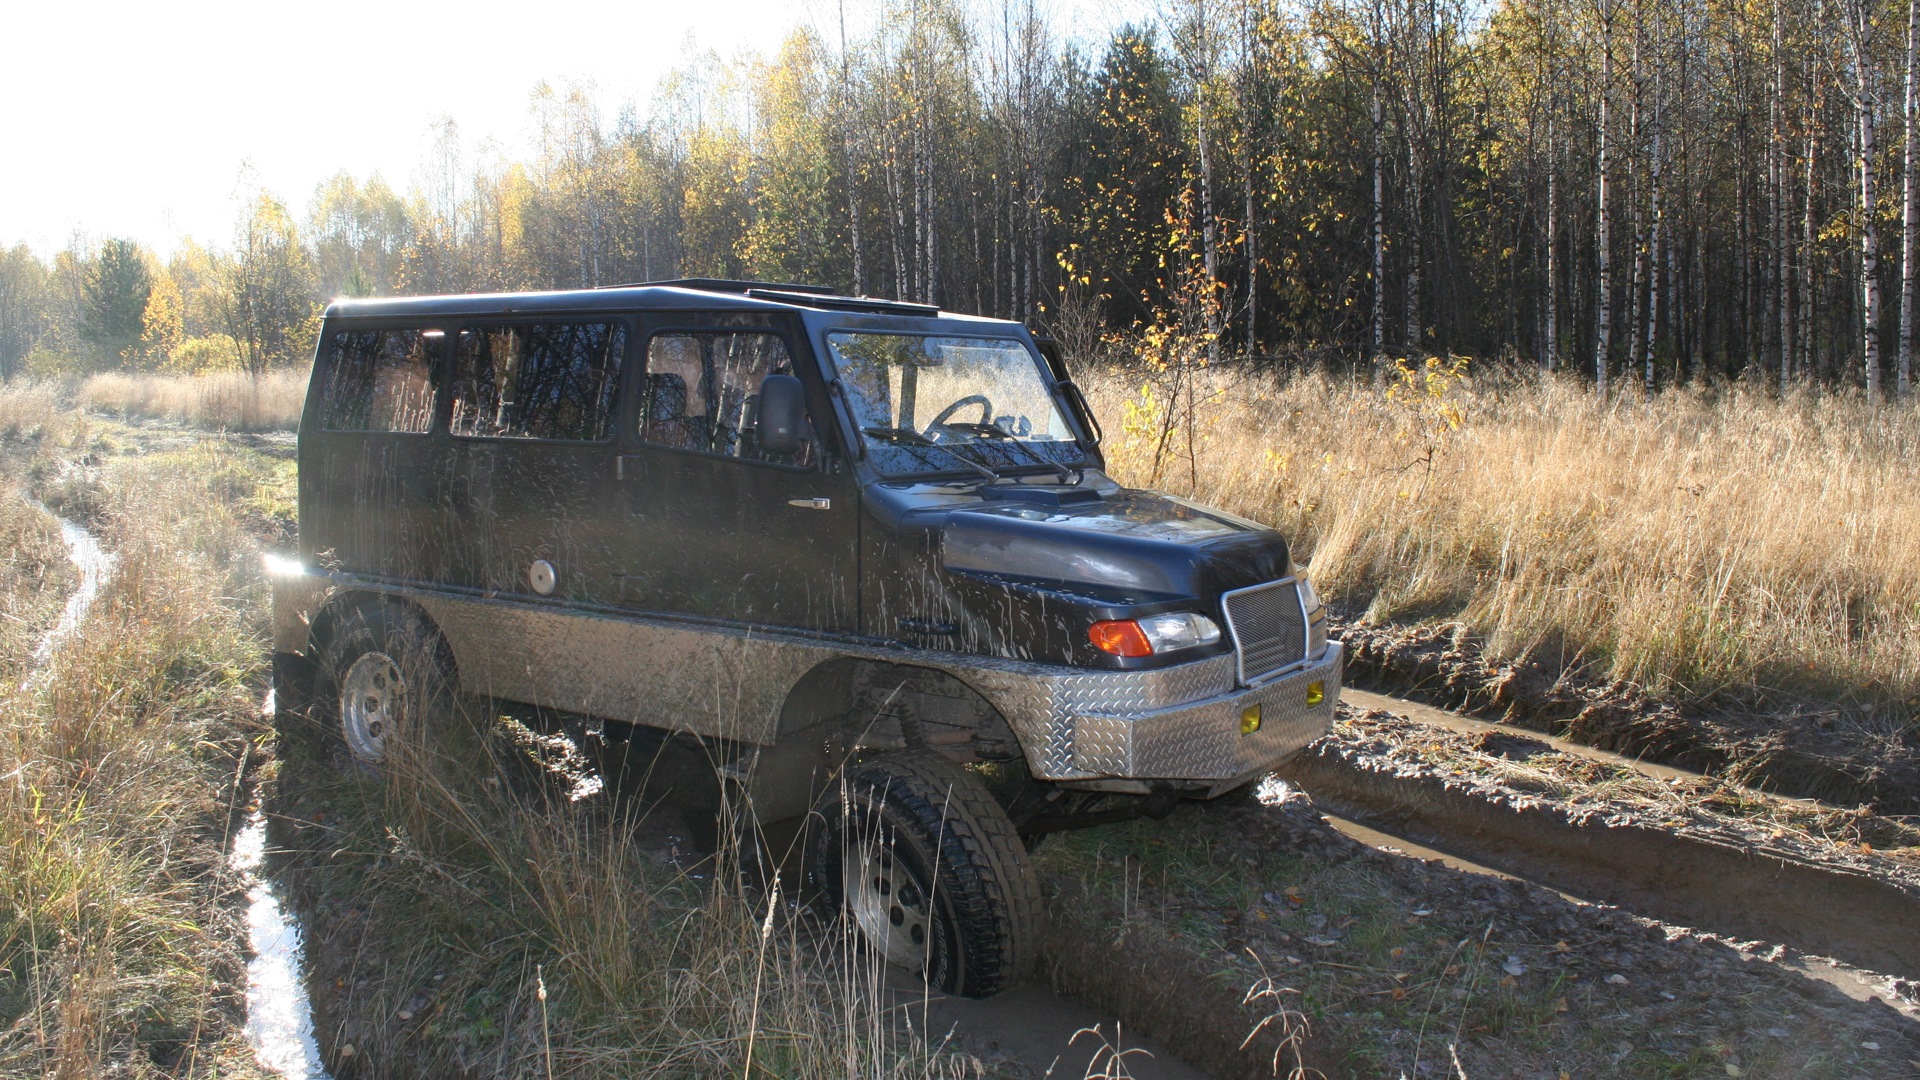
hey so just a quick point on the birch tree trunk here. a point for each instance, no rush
(847, 157)
(1635, 145)
(1551, 359)
(1653, 266)
(1862, 28)
(1379, 239)
(1777, 180)
(1250, 143)
(1415, 341)
(1603, 308)
(1908, 222)
(1209, 236)
(1809, 296)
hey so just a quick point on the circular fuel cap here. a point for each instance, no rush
(542, 577)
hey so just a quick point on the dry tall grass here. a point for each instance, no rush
(30, 411)
(120, 766)
(560, 944)
(228, 401)
(1695, 541)
(34, 576)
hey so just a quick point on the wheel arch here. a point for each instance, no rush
(851, 705)
(343, 605)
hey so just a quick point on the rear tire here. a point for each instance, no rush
(385, 677)
(927, 866)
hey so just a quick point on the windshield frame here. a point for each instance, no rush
(900, 460)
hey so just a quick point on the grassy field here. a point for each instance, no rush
(1700, 541)
(123, 761)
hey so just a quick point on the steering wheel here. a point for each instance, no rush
(986, 410)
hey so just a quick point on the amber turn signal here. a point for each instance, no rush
(1250, 719)
(1316, 693)
(1121, 637)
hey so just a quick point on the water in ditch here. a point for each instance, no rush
(93, 562)
(279, 1013)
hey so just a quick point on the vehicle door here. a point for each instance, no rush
(718, 526)
(532, 425)
(366, 466)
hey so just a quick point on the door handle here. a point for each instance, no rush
(815, 503)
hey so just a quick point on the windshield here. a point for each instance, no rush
(977, 399)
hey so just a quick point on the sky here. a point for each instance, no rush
(149, 121)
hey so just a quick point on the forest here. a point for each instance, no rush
(1654, 191)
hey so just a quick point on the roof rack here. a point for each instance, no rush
(726, 285)
(813, 296)
(832, 302)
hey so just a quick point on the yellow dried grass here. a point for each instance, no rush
(229, 401)
(1694, 541)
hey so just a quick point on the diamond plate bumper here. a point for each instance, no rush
(1202, 740)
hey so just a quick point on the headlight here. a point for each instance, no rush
(1153, 634)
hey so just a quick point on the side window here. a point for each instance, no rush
(537, 380)
(703, 393)
(380, 380)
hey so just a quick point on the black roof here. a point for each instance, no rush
(681, 294)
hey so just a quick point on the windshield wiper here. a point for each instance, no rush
(992, 430)
(910, 437)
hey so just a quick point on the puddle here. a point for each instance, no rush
(279, 1016)
(94, 563)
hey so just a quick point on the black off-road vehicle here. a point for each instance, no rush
(863, 550)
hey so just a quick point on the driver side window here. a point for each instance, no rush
(702, 393)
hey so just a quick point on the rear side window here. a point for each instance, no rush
(703, 392)
(551, 380)
(380, 380)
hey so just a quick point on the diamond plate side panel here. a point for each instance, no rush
(722, 681)
(712, 681)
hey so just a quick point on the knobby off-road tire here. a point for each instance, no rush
(926, 865)
(385, 684)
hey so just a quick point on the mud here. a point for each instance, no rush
(1715, 874)
(1824, 752)
(1386, 959)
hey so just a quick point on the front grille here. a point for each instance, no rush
(1269, 628)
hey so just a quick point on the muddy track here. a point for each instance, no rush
(1671, 875)
(1711, 879)
(1845, 755)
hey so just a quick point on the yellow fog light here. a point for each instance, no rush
(1250, 719)
(1316, 693)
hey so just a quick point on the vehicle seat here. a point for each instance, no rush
(667, 421)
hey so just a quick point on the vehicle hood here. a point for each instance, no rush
(1129, 547)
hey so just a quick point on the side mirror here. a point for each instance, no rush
(783, 415)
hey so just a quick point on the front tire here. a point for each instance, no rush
(924, 862)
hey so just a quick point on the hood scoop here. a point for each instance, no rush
(1040, 494)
